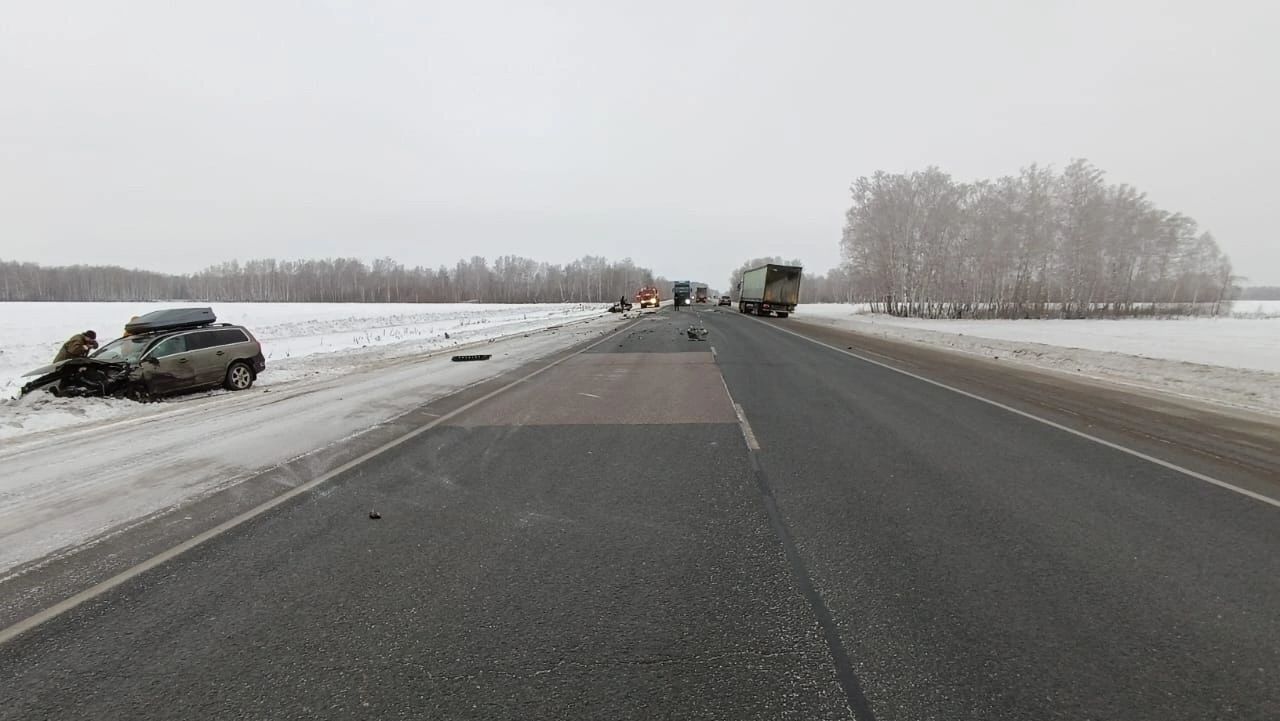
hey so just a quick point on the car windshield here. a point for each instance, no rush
(126, 350)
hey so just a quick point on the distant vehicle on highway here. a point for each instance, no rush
(648, 297)
(725, 300)
(700, 294)
(770, 289)
(166, 352)
(681, 293)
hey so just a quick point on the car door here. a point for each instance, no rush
(168, 366)
(217, 349)
(200, 348)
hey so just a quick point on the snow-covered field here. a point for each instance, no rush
(62, 488)
(1255, 309)
(1233, 361)
(297, 339)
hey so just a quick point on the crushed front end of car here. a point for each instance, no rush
(88, 377)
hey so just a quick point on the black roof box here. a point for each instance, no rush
(170, 319)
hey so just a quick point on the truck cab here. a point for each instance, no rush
(648, 297)
(682, 293)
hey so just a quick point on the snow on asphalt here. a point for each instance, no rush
(300, 340)
(1233, 361)
(64, 488)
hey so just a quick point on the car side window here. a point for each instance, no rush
(170, 346)
(230, 336)
(201, 339)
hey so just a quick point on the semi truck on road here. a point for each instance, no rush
(770, 289)
(681, 291)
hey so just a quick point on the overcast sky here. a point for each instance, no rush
(688, 135)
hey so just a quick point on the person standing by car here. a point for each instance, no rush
(77, 346)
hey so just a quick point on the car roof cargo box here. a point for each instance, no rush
(170, 319)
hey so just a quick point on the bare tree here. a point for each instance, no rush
(1040, 243)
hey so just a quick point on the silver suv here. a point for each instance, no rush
(186, 360)
(164, 352)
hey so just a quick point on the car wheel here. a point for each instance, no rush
(239, 377)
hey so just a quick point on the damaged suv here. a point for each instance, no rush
(166, 352)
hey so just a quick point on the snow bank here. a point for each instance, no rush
(1230, 342)
(300, 340)
(1234, 361)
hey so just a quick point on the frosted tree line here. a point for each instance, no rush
(1041, 243)
(510, 279)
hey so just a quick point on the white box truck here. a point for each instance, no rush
(770, 289)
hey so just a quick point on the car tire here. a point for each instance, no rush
(239, 377)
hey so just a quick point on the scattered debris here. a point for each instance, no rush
(374, 515)
(697, 333)
(477, 357)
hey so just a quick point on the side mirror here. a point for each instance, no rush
(152, 360)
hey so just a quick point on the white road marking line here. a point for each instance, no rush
(748, 435)
(589, 395)
(48, 614)
(1137, 454)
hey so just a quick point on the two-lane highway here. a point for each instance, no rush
(601, 540)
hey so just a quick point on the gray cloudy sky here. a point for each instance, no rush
(688, 135)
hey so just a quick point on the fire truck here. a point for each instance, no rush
(648, 297)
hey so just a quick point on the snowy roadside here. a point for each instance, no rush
(63, 489)
(300, 340)
(1229, 361)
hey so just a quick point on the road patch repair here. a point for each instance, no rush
(617, 389)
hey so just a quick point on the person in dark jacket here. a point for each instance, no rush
(78, 346)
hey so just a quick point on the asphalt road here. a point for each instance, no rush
(607, 540)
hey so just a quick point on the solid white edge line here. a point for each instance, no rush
(48, 614)
(1124, 449)
(748, 435)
